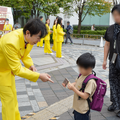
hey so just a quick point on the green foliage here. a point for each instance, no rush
(87, 7)
(89, 32)
(33, 8)
(89, 27)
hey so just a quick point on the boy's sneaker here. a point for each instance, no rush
(62, 57)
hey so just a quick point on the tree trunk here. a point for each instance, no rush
(79, 23)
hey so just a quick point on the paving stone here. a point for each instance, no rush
(34, 105)
(32, 97)
(0, 116)
(42, 104)
(25, 108)
(21, 93)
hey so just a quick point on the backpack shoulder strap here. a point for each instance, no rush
(87, 79)
(79, 75)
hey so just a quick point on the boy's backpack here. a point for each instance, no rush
(98, 97)
(70, 30)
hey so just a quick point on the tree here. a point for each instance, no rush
(90, 7)
(33, 8)
(115, 2)
(18, 6)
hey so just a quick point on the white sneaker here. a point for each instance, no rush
(51, 53)
(62, 57)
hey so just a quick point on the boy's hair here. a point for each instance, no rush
(35, 26)
(117, 8)
(86, 61)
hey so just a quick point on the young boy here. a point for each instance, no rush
(86, 63)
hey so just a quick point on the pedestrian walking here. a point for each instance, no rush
(69, 27)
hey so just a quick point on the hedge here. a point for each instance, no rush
(97, 32)
(89, 27)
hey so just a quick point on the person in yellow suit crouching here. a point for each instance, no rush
(16, 46)
(47, 49)
(41, 41)
(60, 38)
(54, 36)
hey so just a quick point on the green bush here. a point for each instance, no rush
(89, 27)
(97, 32)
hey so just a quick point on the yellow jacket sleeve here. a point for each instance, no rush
(27, 60)
(59, 30)
(11, 55)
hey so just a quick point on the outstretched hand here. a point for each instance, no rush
(45, 77)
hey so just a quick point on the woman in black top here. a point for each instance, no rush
(112, 45)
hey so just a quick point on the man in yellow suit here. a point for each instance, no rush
(7, 26)
(41, 41)
(16, 46)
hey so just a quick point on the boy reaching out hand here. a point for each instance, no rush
(86, 63)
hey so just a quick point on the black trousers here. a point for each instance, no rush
(68, 37)
(79, 116)
(114, 79)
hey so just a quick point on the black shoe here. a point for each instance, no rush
(118, 114)
(111, 108)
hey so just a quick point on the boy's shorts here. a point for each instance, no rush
(79, 116)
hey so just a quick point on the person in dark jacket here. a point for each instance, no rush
(112, 46)
(68, 34)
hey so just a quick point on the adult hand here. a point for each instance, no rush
(45, 77)
(33, 68)
(104, 65)
(64, 33)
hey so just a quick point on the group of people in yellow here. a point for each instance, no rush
(58, 37)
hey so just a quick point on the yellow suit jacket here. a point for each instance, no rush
(54, 32)
(12, 50)
(47, 37)
(60, 33)
(8, 27)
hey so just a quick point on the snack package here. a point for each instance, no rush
(66, 81)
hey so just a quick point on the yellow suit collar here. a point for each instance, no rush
(22, 40)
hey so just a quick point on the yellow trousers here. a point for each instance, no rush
(47, 47)
(59, 50)
(40, 43)
(9, 101)
(54, 45)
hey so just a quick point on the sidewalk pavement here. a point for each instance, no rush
(84, 41)
(34, 97)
